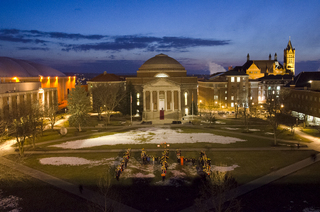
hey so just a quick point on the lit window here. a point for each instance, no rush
(226, 92)
(238, 79)
(215, 97)
(161, 75)
(232, 104)
(185, 98)
(225, 98)
(232, 97)
(278, 87)
(138, 95)
(232, 79)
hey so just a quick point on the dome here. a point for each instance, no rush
(161, 62)
(10, 67)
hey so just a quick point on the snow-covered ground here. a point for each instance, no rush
(10, 203)
(150, 135)
(135, 169)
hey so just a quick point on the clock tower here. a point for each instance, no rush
(289, 58)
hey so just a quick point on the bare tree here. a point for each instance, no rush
(218, 193)
(107, 97)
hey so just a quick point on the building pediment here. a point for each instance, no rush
(161, 83)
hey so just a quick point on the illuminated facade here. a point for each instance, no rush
(25, 72)
(260, 68)
(12, 94)
(224, 90)
(165, 89)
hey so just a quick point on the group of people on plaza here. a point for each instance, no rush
(204, 163)
(123, 163)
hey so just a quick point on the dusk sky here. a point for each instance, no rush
(119, 36)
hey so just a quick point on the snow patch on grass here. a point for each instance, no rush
(72, 161)
(150, 135)
(223, 168)
(10, 203)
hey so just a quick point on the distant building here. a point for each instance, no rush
(165, 90)
(260, 68)
(22, 80)
(304, 97)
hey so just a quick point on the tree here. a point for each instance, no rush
(193, 110)
(79, 106)
(124, 106)
(51, 114)
(218, 193)
(107, 98)
(35, 120)
(209, 117)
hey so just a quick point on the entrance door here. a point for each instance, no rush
(161, 109)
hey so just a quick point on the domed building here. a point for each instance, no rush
(164, 89)
(22, 80)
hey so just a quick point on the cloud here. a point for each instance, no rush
(56, 35)
(20, 39)
(151, 44)
(108, 43)
(34, 48)
(214, 68)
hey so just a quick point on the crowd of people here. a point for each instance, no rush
(123, 164)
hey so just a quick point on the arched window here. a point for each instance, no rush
(185, 98)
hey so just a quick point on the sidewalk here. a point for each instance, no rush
(66, 186)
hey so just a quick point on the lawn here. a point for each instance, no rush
(35, 195)
(296, 192)
(180, 194)
(145, 140)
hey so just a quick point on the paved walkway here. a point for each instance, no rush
(66, 186)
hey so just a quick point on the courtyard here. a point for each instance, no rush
(88, 160)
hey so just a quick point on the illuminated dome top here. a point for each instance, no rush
(10, 67)
(160, 62)
(161, 65)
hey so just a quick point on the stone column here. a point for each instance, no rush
(1, 106)
(18, 100)
(151, 101)
(48, 98)
(165, 100)
(10, 103)
(172, 100)
(144, 101)
(179, 97)
(158, 101)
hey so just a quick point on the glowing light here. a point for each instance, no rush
(16, 79)
(56, 78)
(282, 105)
(41, 78)
(200, 101)
(48, 78)
(41, 90)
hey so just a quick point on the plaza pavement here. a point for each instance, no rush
(100, 200)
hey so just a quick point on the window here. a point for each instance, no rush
(185, 98)
(238, 79)
(232, 79)
(278, 87)
(226, 92)
(232, 97)
(225, 98)
(138, 99)
(215, 97)
(232, 104)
